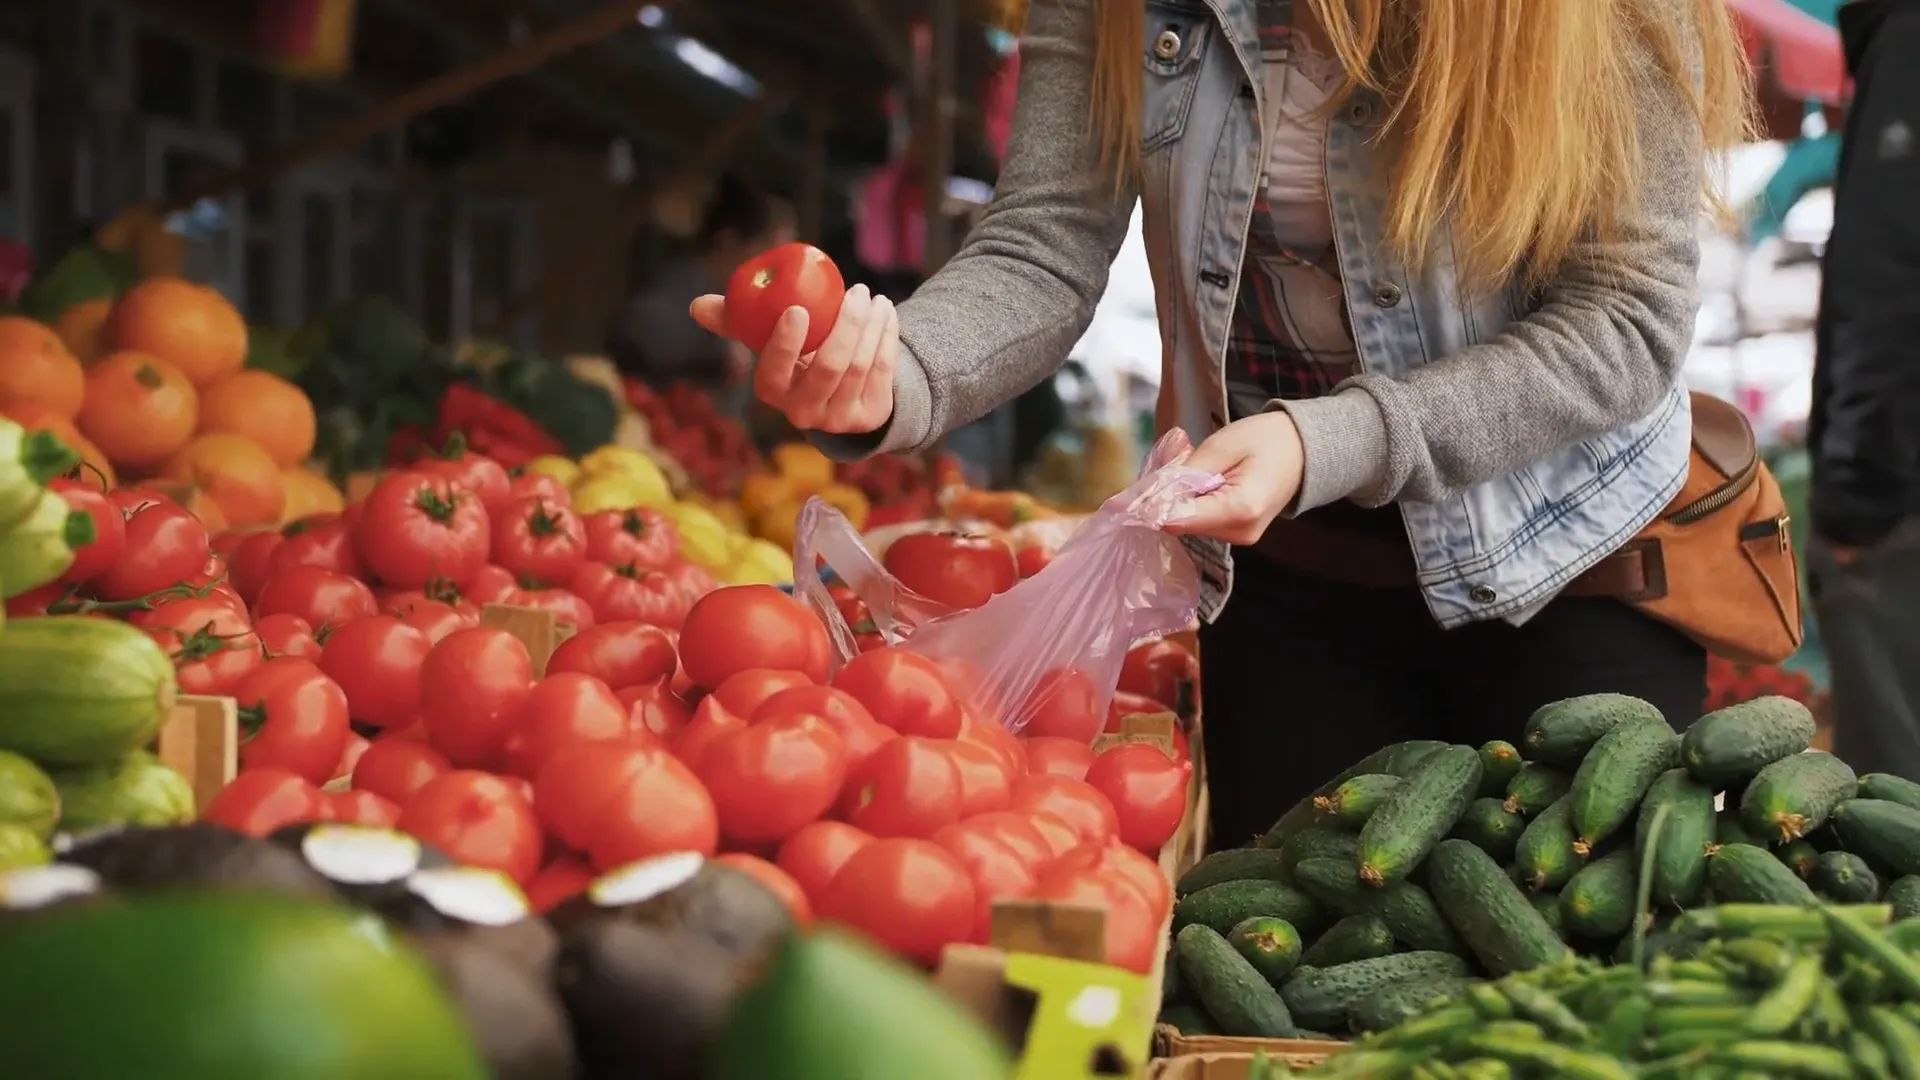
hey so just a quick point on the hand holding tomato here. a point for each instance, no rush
(764, 288)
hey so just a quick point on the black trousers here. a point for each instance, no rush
(1302, 676)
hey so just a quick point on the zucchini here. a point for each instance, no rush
(1561, 733)
(1536, 787)
(1322, 997)
(1356, 937)
(1392, 1005)
(1418, 814)
(1394, 760)
(1490, 826)
(1904, 896)
(1799, 856)
(1745, 874)
(1598, 902)
(1271, 945)
(80, 690)
(1614, 776)
(1795, 795)
(1728, 747)
(1879, 785)
(1233, 994)
(1491, 914)
(1845, 878)
(1224, 906)
(1353, 802)
(1499, 761)
(1680, 859)
(1545, 858)
(1886, 834)
(1234, 864)
(1318, 842)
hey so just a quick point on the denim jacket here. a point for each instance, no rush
(1524, 435)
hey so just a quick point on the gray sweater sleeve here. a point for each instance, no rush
(1007, 309)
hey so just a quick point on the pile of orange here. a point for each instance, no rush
(153, 385)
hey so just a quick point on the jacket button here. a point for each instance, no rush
(1386, 294)
(1166, 45)
(1360, 110)
(1483, 595)
(1215, 278)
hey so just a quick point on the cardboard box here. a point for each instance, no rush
(1169, 1043)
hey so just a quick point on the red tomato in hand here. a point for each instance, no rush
(997, 871)
(417, 527)
(903, 690)
(376, 659)
(211, 645)
(250, 562)
(955, 569)
(654, 711)
(629, 593)
(1064, 704)
(1079, 804)
(559, 709)
(1160, 670)
(1133, 931)
(258, 801)
(540, 541)
(620, 654)
(911, 896)
(814, 854)
(751, 626)
(639, 537)
(985, 783)
(769, 779)
(477, 473)
(761, 290)
(471, 687)
(395, 768)
(296, 721)
(325, 544)
(165, 545)
(909, 787)
(361, 808)
(1053, 756)
(744, 692)
(476, 819)
(561, 879)
(286, 635)
(324, 598)
(711, 722)
(1148, 791)
(92, 558)
(777, 881)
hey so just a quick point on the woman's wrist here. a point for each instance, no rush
(1343, 438)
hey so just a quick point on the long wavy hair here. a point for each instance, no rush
(1513, 121)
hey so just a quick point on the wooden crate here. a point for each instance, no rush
(1226, 1066)
(1169, 1043)
(536, 628)
(200, 740)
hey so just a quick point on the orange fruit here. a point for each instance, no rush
(309, 493)
(243, 479)
(193, 499)
(189, 326)
(139, 409)
(36, 368)
(40, 418)
(83, 327)
(265, 408)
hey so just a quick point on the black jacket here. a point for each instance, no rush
(1864, 431)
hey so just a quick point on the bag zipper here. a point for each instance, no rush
(1719, 497)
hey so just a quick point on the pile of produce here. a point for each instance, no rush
(1425, 866)
(683, 421)
(395, 961)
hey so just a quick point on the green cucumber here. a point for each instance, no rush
(1334, 884)
(1352, 803)
(1234, 995)
(1189, 1019)
(1322, 997)
(1499, 762)
(1318, 842)
(1799, 856)
(1536, 787)
(1407, 909)
(1234, 864)
(1226, 905)
(1904, 896)
(1271, 945)
(1560, 734)
(1879, 785)
(1886, 834)
(1490, 913)
(80, 690)
(1489, 825)
(1845, 878)
(1598, 902)
(1680, 859)
(1548, 905)
(1173, 988)
(1728, 747)
(1745, 874)
(1391, 1006)
(1418, 814)
(1614, 776)
(1394, 760)
(1545, 858)
(1795, 795)
(1729, 829)
(1356, 937)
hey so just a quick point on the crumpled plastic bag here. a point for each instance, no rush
(1118, 579)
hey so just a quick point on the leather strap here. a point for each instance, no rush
(1634, 574)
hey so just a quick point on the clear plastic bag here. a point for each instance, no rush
(1116, 580)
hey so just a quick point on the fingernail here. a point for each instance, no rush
(794, 315)
(859, 291)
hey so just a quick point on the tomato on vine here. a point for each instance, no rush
(165, 545)
(416, 527)
(212, 646)
(286, 635)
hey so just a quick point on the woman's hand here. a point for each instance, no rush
(846, 386)
(1262, 461)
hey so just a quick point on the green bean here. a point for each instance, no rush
(1791, 997)
(1563, 1061)
(1775, 1057)
(1869, 944)
(1541, 1008)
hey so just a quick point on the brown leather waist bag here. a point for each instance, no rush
(1717, 564)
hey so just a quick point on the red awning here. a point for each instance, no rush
(1794, 54)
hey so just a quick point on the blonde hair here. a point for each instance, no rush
(1515, 121)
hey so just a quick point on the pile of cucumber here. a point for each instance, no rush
(1426, 867)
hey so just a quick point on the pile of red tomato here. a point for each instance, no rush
(677, 717)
